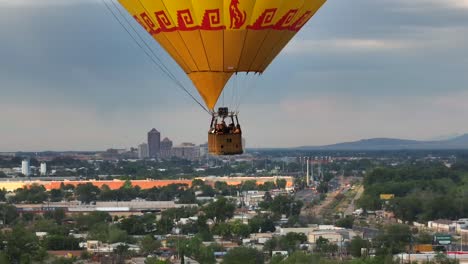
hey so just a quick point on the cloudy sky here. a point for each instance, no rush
(71, 78)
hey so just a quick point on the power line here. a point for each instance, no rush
(160, 65)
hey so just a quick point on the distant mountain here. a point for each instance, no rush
(460, 142)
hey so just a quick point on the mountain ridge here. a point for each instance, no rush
(460, 142)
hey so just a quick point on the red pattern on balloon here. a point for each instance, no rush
(300, 22)
(164, 22)
(185, 20)
(237, 16)
(150, 26)
(212, 20)
(265, 19)
(286, 21)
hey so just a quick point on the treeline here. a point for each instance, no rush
(87, 193)
(423, 191)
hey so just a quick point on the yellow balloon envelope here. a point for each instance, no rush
(212, 39)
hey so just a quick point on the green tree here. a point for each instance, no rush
(393, 240)
(346, 222)
(56, 195)
(197, 183)
(58, 215)
(22, 246)
(220, 210)
(87, 193)
(239, 229)
(156, 261)
(281, 183)
(2, 195)
(261, 224)
(8, 214)
(122, 252)
(300, 257)
(243, 255)
(323, 245)
(356, 244)
(149, 244)
(116, 234)
(61, 242)
(249, 185)
(32, 194)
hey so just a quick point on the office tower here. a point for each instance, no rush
(154, 143)
(166, 148)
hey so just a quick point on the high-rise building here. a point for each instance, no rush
(143, 152)
(43, 170)
(25, 167)
(166, 148)
(154, 143)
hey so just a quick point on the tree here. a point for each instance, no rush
(243, 255)
(22, 246)
(249, 185)
(58, 215)
(283, 204)
(156, 261)
(222, 229)
(87, 193)
(323, 245)
(394, 239)
(300, 257)
(357, 243)
(220, 210)
(32, 194)
(197, 183)
(290, 242)
(56, 195)
(122, 252)
(3, 192)
(239, 229)
(187, 197)
(346, 222)
(61, 242)
(323, 187)
(149, 244)
(8, 214)
(116, 234)
(281, 183)
(261, 224)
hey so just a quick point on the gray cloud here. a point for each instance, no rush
(71, 78)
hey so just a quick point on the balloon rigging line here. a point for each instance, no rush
(172, 76)
(163, 68)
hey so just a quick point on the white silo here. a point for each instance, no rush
(43, 169)
(25, 167)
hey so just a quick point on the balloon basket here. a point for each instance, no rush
(228, 144)
(224, 139)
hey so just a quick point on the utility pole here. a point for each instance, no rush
(307, 173)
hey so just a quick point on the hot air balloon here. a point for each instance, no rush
(213, 39)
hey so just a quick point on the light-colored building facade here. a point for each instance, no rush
(143, 152)
(186, 151)
(166, 148)
(25, 169)
(43, 169)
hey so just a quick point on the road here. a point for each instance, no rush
(351, 207)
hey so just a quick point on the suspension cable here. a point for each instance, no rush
(163, 68)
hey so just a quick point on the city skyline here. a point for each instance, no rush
(357, 70)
